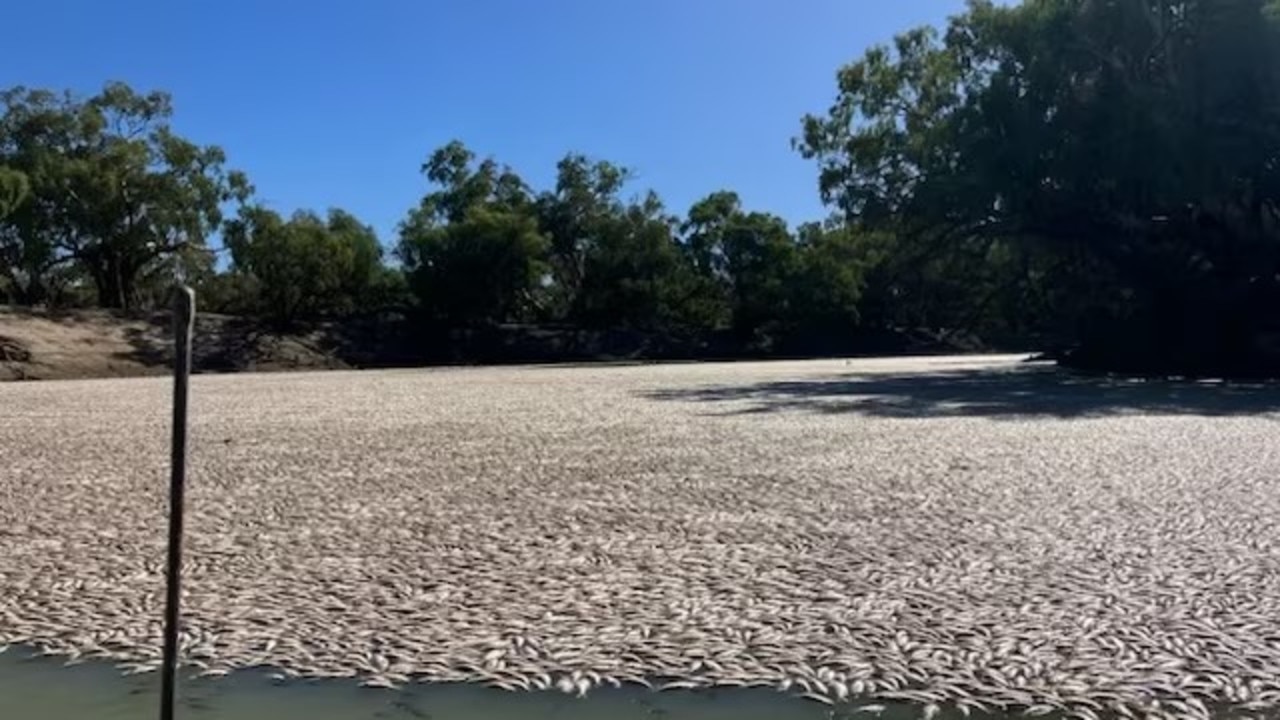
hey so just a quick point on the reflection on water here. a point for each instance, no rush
(42, 688)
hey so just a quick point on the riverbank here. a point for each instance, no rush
(80, 344)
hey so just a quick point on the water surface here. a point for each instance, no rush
(43, 688)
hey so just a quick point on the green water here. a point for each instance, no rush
(42, 688)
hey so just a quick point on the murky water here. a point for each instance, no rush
(42, 688)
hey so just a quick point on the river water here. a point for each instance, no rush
(44, 688)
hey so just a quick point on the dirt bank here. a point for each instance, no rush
(41, 345)
(44, 345)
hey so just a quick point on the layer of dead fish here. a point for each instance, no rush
(557, 530)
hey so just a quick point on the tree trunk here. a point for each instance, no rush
(114, 280)
(27, 291)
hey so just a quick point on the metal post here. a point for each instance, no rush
(184, 313)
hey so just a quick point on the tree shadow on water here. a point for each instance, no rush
(1025, 391)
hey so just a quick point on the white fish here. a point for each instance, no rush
(840, 689)
(377, 681)
(679, 685)
(819, 698)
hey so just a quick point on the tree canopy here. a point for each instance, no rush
(305, 266)
(111, 188)
(13, 190)
(1100, 175)
(1115, 161)
(472, 248)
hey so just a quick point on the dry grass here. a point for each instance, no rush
(938, 531)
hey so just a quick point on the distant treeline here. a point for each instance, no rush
(1100, 176)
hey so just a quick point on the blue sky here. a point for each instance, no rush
(338, 103)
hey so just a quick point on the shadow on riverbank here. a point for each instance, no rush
(1029, 390)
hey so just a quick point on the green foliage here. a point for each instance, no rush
(305, 267)
(751, 256)
(827, 284)
(483, 268)
(1056, 143)
(579, 217)
(483, 248)
(633, 273)
(616, 262)
(112, 189)
(231, 293)
(471, 249)
(14, 189)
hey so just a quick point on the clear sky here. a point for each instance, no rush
(337, 103)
